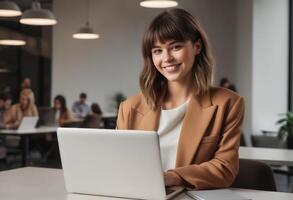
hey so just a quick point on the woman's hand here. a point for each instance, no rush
(172, 179)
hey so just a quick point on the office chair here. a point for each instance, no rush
(272, 141)
(267, 141)
(242, 140)
(254, 175)
(3, 152)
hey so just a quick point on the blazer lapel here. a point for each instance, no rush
(150, 120)
(195, 123)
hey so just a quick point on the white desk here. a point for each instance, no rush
(47, 184)
(267, 155)
(40, 130)
(25, 134)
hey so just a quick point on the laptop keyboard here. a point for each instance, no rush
(169, 190)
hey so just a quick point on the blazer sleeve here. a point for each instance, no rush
(121, 122)
(221, 170)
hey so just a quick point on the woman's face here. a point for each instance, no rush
(8, 103)
(24, 101)
(57, 104)
(174, 60)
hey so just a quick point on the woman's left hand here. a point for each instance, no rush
(172, 179)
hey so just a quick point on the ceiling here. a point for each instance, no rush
(26, 4)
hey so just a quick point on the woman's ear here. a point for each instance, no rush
(197, 47)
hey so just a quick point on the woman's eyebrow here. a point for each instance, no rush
(153, 47)
(168, 43)
(173, 42)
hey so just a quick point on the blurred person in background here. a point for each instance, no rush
(93, 120)
(25, 107)
(2, 109)
(5, 106)
(26, 83)
(80, 108)
(63, 115)
(225, 83)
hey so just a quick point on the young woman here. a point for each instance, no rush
(25, 107)
(63, 115)
(199, 126)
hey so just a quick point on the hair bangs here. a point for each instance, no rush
(166, 30)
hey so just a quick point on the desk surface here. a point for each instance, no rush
(47, 184)
(268, 155)
(40, 130)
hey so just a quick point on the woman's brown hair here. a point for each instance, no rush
(179, 25)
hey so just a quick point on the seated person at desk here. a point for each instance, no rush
(80, 108)
(63, 115)
(93, 120)
(5, 106)
(199, 126)
(2, 109)
(25, 107)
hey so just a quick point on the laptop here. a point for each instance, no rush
(46, 116)
(117, 163)
(28, 123)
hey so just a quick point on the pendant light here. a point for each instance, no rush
(158, 3)
(86, 32)
(11, 38)
(9, 9)
(12, 42)
(38, 16)
(8, 38)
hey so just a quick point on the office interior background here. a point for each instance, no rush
(251, 43)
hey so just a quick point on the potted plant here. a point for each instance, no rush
(286, 128)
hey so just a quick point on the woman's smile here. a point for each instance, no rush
(171, 68)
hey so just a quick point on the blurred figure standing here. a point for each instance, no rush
(26, 83)
(80, 108)
(225, 83)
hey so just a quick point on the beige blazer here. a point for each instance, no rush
(207, 152)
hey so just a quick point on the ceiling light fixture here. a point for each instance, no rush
(38, 16)
(86, 32)
(158, 3)
(11, 42)
(9, 9)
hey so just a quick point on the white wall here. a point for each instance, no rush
(113, 62)
(262, 55)
(243, 75)
(270, 63)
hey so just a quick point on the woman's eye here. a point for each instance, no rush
(156, 51)
(176, 47)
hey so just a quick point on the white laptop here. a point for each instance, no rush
(117, 163)
(28, 123)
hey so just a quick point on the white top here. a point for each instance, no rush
(169, 132)
(57, 115)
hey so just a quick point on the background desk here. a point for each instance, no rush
(48, 184)
(25, 134)
(267, 155)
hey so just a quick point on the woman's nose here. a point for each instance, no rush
(167, 56)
